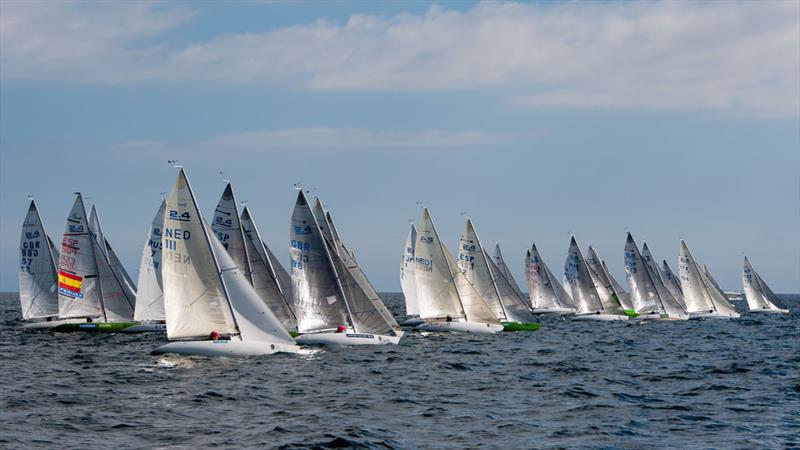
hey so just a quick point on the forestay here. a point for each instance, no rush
(407, 281)
(195, 302)
(79, 292)
(38, 272)
(150, 295)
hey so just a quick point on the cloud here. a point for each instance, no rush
(730, 57)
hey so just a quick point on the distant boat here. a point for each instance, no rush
(703, 299)
(149, 309)
(546, 292)
(760, 297)
(651, 298)
(408, 283)
(333, 300)
(38, 274)
(492, 284)
(211, 308)
(91, 287)
(581, 285)
(610, 291)
(447, 300)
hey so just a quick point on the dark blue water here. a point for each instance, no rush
(723, 384)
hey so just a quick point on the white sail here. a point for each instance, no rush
(698, 292)
(283, 277)
(317, 298)
(623, 296)
(118, 301)
(228, 229)
(78, 288)
(602, 284)
(121, 275)
(195, 302)
(647, 291)
(501, 264)
(38, 272)
(263, 275)
(96, 229)
(545, 291)
(515, 305)
(407, 281)
(150, 295)
(711, 279)
(475, 267)
(759, 296)
(672, 282)
(579, 282)
(675, 297)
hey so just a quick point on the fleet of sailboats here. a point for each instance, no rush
(218, 290)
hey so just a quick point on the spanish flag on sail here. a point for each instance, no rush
(69, 284)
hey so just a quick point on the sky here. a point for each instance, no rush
(669, 120)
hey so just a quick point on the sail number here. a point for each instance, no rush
(183, 217)
(302, 260)
(175, 234)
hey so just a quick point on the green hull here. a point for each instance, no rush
(93, 327)
(631, 313)
(521, 326)
(294, 334)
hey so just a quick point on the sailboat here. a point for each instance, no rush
(88, 286)
(583, 290)
(648, 258)
(651, 298)
(408, 283)
(38, 274)
(270, 279)
(547, 294)
(703, 299)
(611, 293)
(492, 284)
(210, 306)
(447, 300)
(149, 309)
(505, 272)
(672, 282)
(760, 297)
(333, 300)
(125, 280)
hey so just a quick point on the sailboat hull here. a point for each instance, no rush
(600, 317)
(769, 310)
(559, 311)
(658, 316)
(412, 322)
(468, 327)
(146, 328)
(224, 348)
(712, 316)
(331, 338)
(93, 327)
(45, 325)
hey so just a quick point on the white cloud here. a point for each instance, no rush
(731, 57)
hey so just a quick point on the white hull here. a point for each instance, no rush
(599, 317)
(45, 325)
(770, 310)
(347, 338)
(412, 322)
(469, 327)
(146, 328)
(656, 316)
(559, 311)
(232, 348)
(713, 315)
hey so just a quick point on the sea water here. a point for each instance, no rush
(695, 384)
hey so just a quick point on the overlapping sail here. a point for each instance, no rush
(150, 294)
(407, 281)
(228, 229)
(545, 291)
(759, 296)
(623, 296)
(264, 273)
(658, 274)
(38, 271)
(672, 282)
(579, 282)
(505, 271)
(649, 294)
(602, 284)
(699, 293)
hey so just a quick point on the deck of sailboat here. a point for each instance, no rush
(347, 338)
(228, 348)
(461, 325)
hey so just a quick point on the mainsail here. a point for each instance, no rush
(195, 301)
(579, 282)
(623, 296)
(759, 296)
(659, 275)
(672, 282)
(120, 274)
(228, 229)
(79, 292)
(647, 291)
(489, 280)
(38, 273)
(700, 295)
(605, 290)
(501, 264)
(263, 274)
(545, 291)
(150, 295)
(407, 281)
